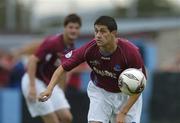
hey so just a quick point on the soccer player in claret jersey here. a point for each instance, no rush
(40, 69)
(107, 56)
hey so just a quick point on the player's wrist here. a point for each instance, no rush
(49, 89)
(33, 86)
(123, 112)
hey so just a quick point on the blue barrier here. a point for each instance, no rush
(0, 108)
(10, 106)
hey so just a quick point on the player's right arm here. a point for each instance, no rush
(44, 96)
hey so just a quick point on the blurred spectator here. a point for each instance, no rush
(6, 64)
(18, 68)
(16, 74)
(11, 65)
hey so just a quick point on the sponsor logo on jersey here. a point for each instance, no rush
(117, 67)
(105, 58)
(105, 73)
(69, 54)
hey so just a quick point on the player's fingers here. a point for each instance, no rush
(43, 97)
(119, 122)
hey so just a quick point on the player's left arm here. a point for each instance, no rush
(134, 61)
(127, 106)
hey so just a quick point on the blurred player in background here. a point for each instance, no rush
(107, 56)
(41, 66)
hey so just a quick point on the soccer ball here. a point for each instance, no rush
(132, 81)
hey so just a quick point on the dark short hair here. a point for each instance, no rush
(107, 21)
(72, 18)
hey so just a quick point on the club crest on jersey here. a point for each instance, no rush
(117, 67)
(68, 55)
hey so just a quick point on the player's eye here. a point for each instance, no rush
(77, 27)
(102, 31)
(70, 27)
(96, 31)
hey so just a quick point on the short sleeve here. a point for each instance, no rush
(45, 48)
(76, 57)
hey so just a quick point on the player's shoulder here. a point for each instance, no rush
(91, 44)
(53, 41)
(54, 38)
(125, 44)
(128, 48)
(88, 47)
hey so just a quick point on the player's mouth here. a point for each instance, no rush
(99, 41)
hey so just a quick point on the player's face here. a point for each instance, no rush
(72, 30)
(102, 35)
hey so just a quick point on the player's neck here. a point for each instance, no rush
(110, 48)
(67, 41)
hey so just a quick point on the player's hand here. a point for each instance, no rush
(120, 118)
(32, 94)
(44, 96)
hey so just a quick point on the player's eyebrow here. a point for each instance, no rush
(100, 29)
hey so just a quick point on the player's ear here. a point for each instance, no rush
(114, 33)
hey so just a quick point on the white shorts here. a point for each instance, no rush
(56, 102)
(105, 105)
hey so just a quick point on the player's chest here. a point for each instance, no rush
(111, 65)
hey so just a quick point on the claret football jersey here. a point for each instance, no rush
(51, 54)
(106, 68)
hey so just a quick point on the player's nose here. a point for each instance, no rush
(98, 35)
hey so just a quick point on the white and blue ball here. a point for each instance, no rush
(132, 81)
